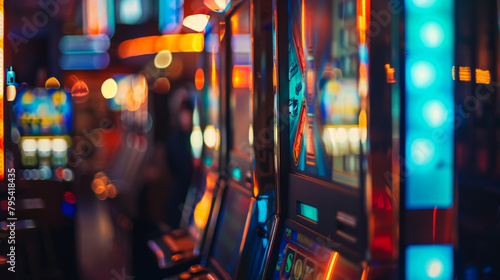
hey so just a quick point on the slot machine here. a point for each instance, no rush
(182, 247)
(365, 140)
(240, 238)
(42, 126)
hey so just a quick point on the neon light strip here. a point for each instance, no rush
(429, 45)
(191, 42)
(333, 260)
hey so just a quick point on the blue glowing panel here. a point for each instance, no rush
(425, 262)
(84, 44)
(171, 14)
(429, 48)
(84, 61)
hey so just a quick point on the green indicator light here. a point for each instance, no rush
(308, 212)
(236, 173)
(207, 161)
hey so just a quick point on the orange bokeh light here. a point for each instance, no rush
(242, 76)
(199, 79)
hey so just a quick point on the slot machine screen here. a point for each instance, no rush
(43, 122)
(42, 112)
(301, 257)
(325, 72)
(230, 229)
(240, 89)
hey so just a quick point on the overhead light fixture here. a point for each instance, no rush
(198, 20)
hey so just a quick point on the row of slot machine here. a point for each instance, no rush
(335, 146)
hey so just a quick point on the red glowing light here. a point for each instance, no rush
(199, 79)
(60, 173)
(69, 197)
(434, 225)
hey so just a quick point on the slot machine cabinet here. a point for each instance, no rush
(40, 140)
(42, 124)
(355, 115)
(180, 248)
(240, 239)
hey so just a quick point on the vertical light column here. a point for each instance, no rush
(429, 93)
(2, 149)
(429, 135)
(99, 17)
(170, 16)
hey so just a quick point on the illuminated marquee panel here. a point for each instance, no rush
(429, 103)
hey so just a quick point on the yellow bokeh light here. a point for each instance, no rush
(163, 59)
(109, 88)
(111, 190)
(98, 182)
(52, 83)
(210, 137)
(202, 210)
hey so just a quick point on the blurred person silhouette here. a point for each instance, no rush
(178, 154)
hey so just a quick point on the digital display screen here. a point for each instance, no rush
(230, 230)
(327, 82)
(240, 89)
(301, 257)
(307, 211)
(43, 111)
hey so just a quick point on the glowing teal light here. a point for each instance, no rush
(262, 210)
(308, 211)
(207, 161)
(422, 151)
(423, 74)
(423, 3)
(196, 142)
(363, 54)
(435, 113)
(429, 262)
(130, 11)
(236, 173)
(432, 34)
